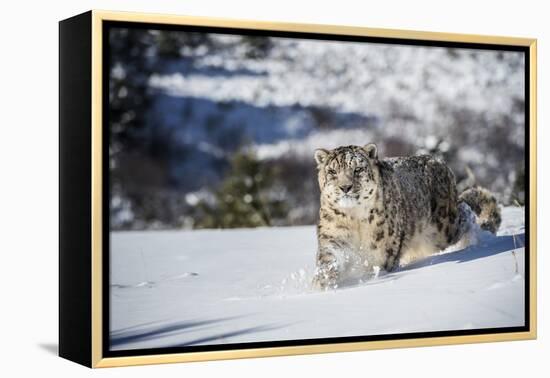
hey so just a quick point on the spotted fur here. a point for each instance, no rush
(389, 212)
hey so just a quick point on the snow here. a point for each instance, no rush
(178, 288)
(372, 80)
(296, 73)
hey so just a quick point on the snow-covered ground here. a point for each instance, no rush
(178, 288)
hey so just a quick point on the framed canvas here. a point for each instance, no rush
(235, 189)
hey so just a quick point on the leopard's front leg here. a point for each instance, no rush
(327, 272)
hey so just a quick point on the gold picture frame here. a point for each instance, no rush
(89, 330)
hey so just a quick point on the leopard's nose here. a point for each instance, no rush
(345, 188)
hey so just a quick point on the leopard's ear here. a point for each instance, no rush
(371, 150)
(320, 156)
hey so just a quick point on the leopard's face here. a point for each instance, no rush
(347, 175)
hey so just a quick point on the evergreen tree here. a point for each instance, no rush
(245, 198)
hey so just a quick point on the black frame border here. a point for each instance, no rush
(75, 194)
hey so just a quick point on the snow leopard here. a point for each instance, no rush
(389, 212)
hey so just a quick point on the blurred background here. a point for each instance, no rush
(218, 131)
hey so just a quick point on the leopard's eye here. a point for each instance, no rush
(358, 170)
(331, 171)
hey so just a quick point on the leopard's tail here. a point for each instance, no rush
(484, 205)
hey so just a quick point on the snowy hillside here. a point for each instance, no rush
(408, 92)
(347, 76)
(177, 288)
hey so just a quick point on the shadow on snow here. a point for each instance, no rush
(490, 246)
(148, 331)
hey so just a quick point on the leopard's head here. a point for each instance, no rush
(348, 176)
